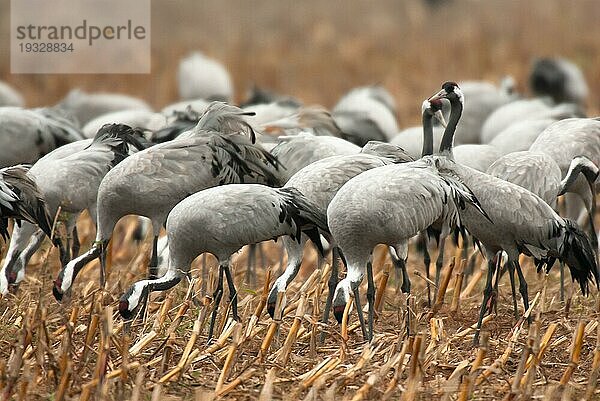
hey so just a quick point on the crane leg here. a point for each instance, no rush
(232, 291)
(511, 274)
(359, 312)
(523, 288)
(400, 267)
(76, 245)
(422, 243)
(261, 255)
(217, 295)
(370, 298)
(331, 284)
(439, 262)
(62, 251)
(153, 266)
(250, 274)
(487, 292)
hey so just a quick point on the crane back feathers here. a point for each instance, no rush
(119, 137)
(235, 159)
(299, 212)
(226, 119)
(21, 199)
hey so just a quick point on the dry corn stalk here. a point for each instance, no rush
(379, 295)
(458, 280)
(439, 300)
(575, 354)
(466, 387)
(292, 335)
(236, 382)
(595, 373)
(237, 336)
(264, 347)
(414, 373)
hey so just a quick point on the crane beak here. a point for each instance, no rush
(440, 117)
(438, 96)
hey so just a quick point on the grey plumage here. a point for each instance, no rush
(296, 152)
(68, 180)
(87, 106)
(389, 205)
(520, 135)
(319, 182)
(21, 199)
(182, 121)
(481, 99)
(519, 221)
(526, 109)
(26, 135)
(366, 113)
(220, 221)
(144, 119)
(477, 156)
(411, 139)
(151, 182)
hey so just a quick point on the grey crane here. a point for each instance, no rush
(319, 182)
(298, 151)
(565, 140)
(407, 199)
(520, 135)
(519, 221)
(365, 114)
(151, 182)
(145, 119)
(389, 205)
(559, 78)
(26, 135)
(525, 109)
(315, 120)
(181, 121)
(483, 98)
(21, 200)
(220, 221)
(87, 106)
(539, 173)
(197, 105)
(201, 77)
(68, 180)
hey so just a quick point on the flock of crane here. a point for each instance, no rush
(486, 163)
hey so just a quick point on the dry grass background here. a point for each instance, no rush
(315, 51)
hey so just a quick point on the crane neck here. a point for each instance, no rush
(427, 134)
(456, 108)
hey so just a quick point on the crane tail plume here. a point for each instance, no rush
(299, 212)
(578, 253)
(21, 199)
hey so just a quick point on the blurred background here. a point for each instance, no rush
(317, 50)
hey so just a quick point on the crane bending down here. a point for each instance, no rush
(319, 182)
(519, 221)
(68, 179)
(389, 205)
(151, 182)
(220, 221)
